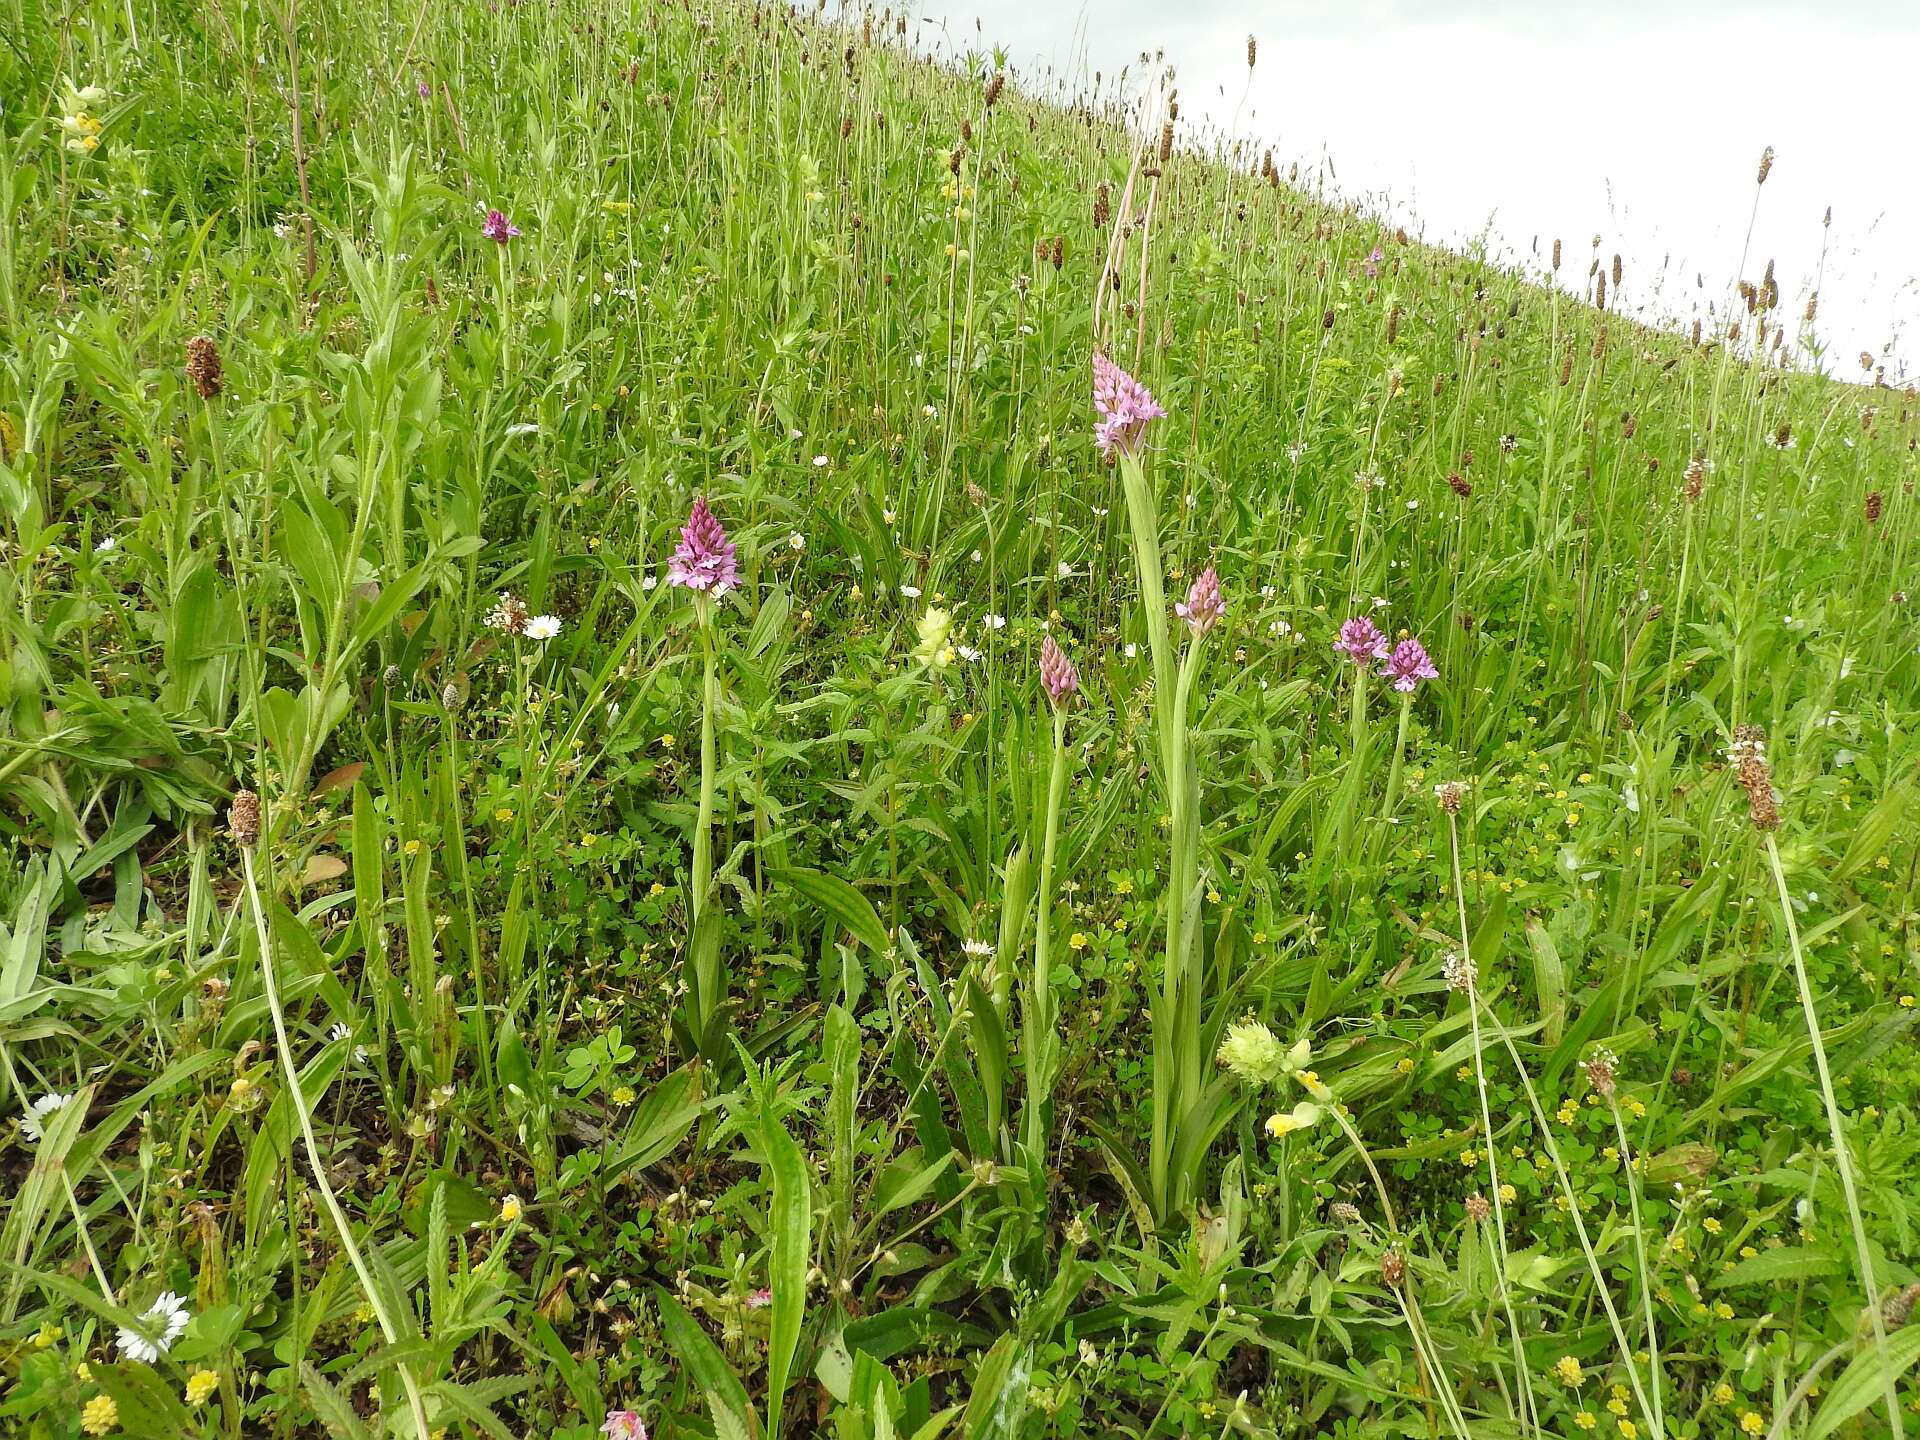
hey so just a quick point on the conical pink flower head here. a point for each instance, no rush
(1203, 608)
(705, 559)
(1057, 675)
(1408, 665)
(498, 228)
(1124, 406)
(1360, 640)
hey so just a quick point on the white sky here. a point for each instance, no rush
(1641, 122)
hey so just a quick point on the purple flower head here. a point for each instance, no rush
(624, 1425)
(705, 559)
(1360, 640)
(1057, 675)
(1124, 406)
(1408, 665)
(498, 228)
(758, 1300)
(426, 90)
(1203, 608)
(1373, 262)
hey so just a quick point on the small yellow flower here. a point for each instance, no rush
(1508, 1194)
(623, 1095)
(1469, 1158)
(1752, 1422)
(200, 1386)
(589, 840)
(1077, 940)
(666, 742)
(510, 1208)
(1573, 817)
(1465, 1072)
(1568, 1369)
(100, 1415)
(1584, 1420)
(1123, 886)
(1723, 1310)
(1584, 778)
(412, 847)
(1636, 1107)
(45, 1336)
(1617, 1405)
(1627, 1430)
(1747, 1252)
(1404, 1064)
(1711, 1225)
(1722, 1393)
(503, 814)
(1906, 1001)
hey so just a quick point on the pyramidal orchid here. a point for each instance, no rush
(1057, 675)
(1124, 405)
(1408, 665)
(497, 228)
(705, 559)
(1361, 640)
(1203, 608)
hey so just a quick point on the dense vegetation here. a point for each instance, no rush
(1374, 895)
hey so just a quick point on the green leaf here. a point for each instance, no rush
(329, 1405)
(1866, 1380)
(1771, 1267)
(840, 900)
(1549, 981)
(689, 1344)
(792, 1221)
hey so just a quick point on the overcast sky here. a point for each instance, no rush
(1637, 121)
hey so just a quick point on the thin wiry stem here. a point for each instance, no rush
(1842, 1156)
(297, 1098)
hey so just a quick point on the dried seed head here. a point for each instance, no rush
(1102, 206)
(1166, 142)
(451, 700)
(1766, 166)
(1450, 794)
(1556, 254)
(203, 366)
(1749, 756)
(1393, 1269)
(1876, 504)
(1600, 1073)
(243, 819)
(1616, 272)
(392, 677)
(994, 87)
(1459, 484)
(1696, 479)
(1477, 1208)
(1344, 1213)
(1252, 46)
(1457, 970)
(1899, 1307)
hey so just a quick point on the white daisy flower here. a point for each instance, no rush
(649, 582)
(912, 592)
(153, 1334)
(797, 540)
(107, 546)
(978, 949)
(820, 462)
(542, 627)
(33, 1124)
(994, 622)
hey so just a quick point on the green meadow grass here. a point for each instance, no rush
(771, 1015)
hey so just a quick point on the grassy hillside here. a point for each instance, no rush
(937, 975)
